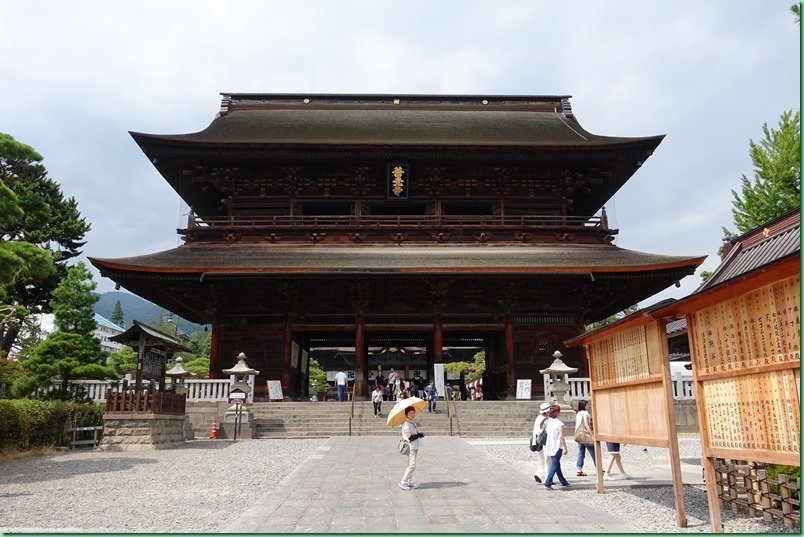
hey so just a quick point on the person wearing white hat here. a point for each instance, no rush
(542, 459)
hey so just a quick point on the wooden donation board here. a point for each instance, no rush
(632, 398)
(746, 363)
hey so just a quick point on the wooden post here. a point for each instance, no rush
(510, 374)
(214, 352)
(140, 362)
(437, 340)
(360, 360)
(287, 349)
(703, 426)
(659, 335)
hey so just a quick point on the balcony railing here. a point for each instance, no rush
(395, 222)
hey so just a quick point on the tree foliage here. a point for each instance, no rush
(613, 318)
(40, 230)
(71, 352)
(472, 370)
(776, 188)
(317, 377)
(117, 315)
(124, 361)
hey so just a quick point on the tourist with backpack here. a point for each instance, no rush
(556, 446)
(542, 459)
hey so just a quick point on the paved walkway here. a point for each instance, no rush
(349, 484)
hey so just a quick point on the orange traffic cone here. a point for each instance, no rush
(214, 433)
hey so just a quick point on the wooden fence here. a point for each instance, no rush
(156, 402)
(746, 486)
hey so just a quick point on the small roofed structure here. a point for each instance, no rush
(146, 419)
(154, 350)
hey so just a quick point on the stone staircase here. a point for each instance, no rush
(322, 419)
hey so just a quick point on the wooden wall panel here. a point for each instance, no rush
(623, 357)
(632, 414)
(759, 329)
(746, 362)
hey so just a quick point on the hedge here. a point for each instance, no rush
(26, 423)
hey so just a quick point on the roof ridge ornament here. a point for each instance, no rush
(566, 107)
(225, 102)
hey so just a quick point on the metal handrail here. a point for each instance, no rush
(352, 409)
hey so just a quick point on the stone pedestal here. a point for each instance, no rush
(141, 431)
(226, 429)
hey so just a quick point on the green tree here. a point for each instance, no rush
(40, 230)
(776, 188)
(71, 352)
(317, 376)
(124, 361)
(472, 370)
(613, 318)
(117, 315)
(198, 365)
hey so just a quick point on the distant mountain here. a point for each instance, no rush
(137, 308)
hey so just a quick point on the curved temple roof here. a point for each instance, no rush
(512, 121)
(317, 259)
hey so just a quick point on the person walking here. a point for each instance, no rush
(583, 421)
(614, 457)
(432, 396)
(376, 398)
(340, 382)
(393, 379)
(556, 447)
(410, 432)
(542, 458)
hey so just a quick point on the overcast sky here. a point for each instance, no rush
(75, 77)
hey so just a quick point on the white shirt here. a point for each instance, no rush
(581, 417)
(410, 427)
(555, 431)
(377, 396)
(537, 427)
(340, 378)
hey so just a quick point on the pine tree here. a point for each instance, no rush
(71, 352)
(117, 315)
(776, 188)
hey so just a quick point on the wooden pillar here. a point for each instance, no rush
(140, 361)
(438, 337)
(659, 345)
(510, 377)
(287, 349)
(361, 375)
(707, 461)
(214, 352)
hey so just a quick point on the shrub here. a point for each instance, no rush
(26, 423)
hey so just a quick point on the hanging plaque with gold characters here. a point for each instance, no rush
(398, 179)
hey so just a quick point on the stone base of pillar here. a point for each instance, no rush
(141, 431)
(226, 429)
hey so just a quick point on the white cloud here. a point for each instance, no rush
(708, 74)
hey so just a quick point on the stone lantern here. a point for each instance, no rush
(177, 373)
(558, 371)
(239, 375)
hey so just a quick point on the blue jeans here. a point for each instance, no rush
(431, 403)
(341, 392)
(555, 470)
(582, 450)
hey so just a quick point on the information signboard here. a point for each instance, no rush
(275, 390)
(523, 387)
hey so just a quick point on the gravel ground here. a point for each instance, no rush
(649, 509)
(161, 488)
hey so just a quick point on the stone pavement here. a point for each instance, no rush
(349, 484)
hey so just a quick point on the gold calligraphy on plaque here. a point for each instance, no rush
(398, 182)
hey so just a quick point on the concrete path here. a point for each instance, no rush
(349, 484)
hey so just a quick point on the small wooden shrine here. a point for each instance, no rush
(368, 222)
(145, 416)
